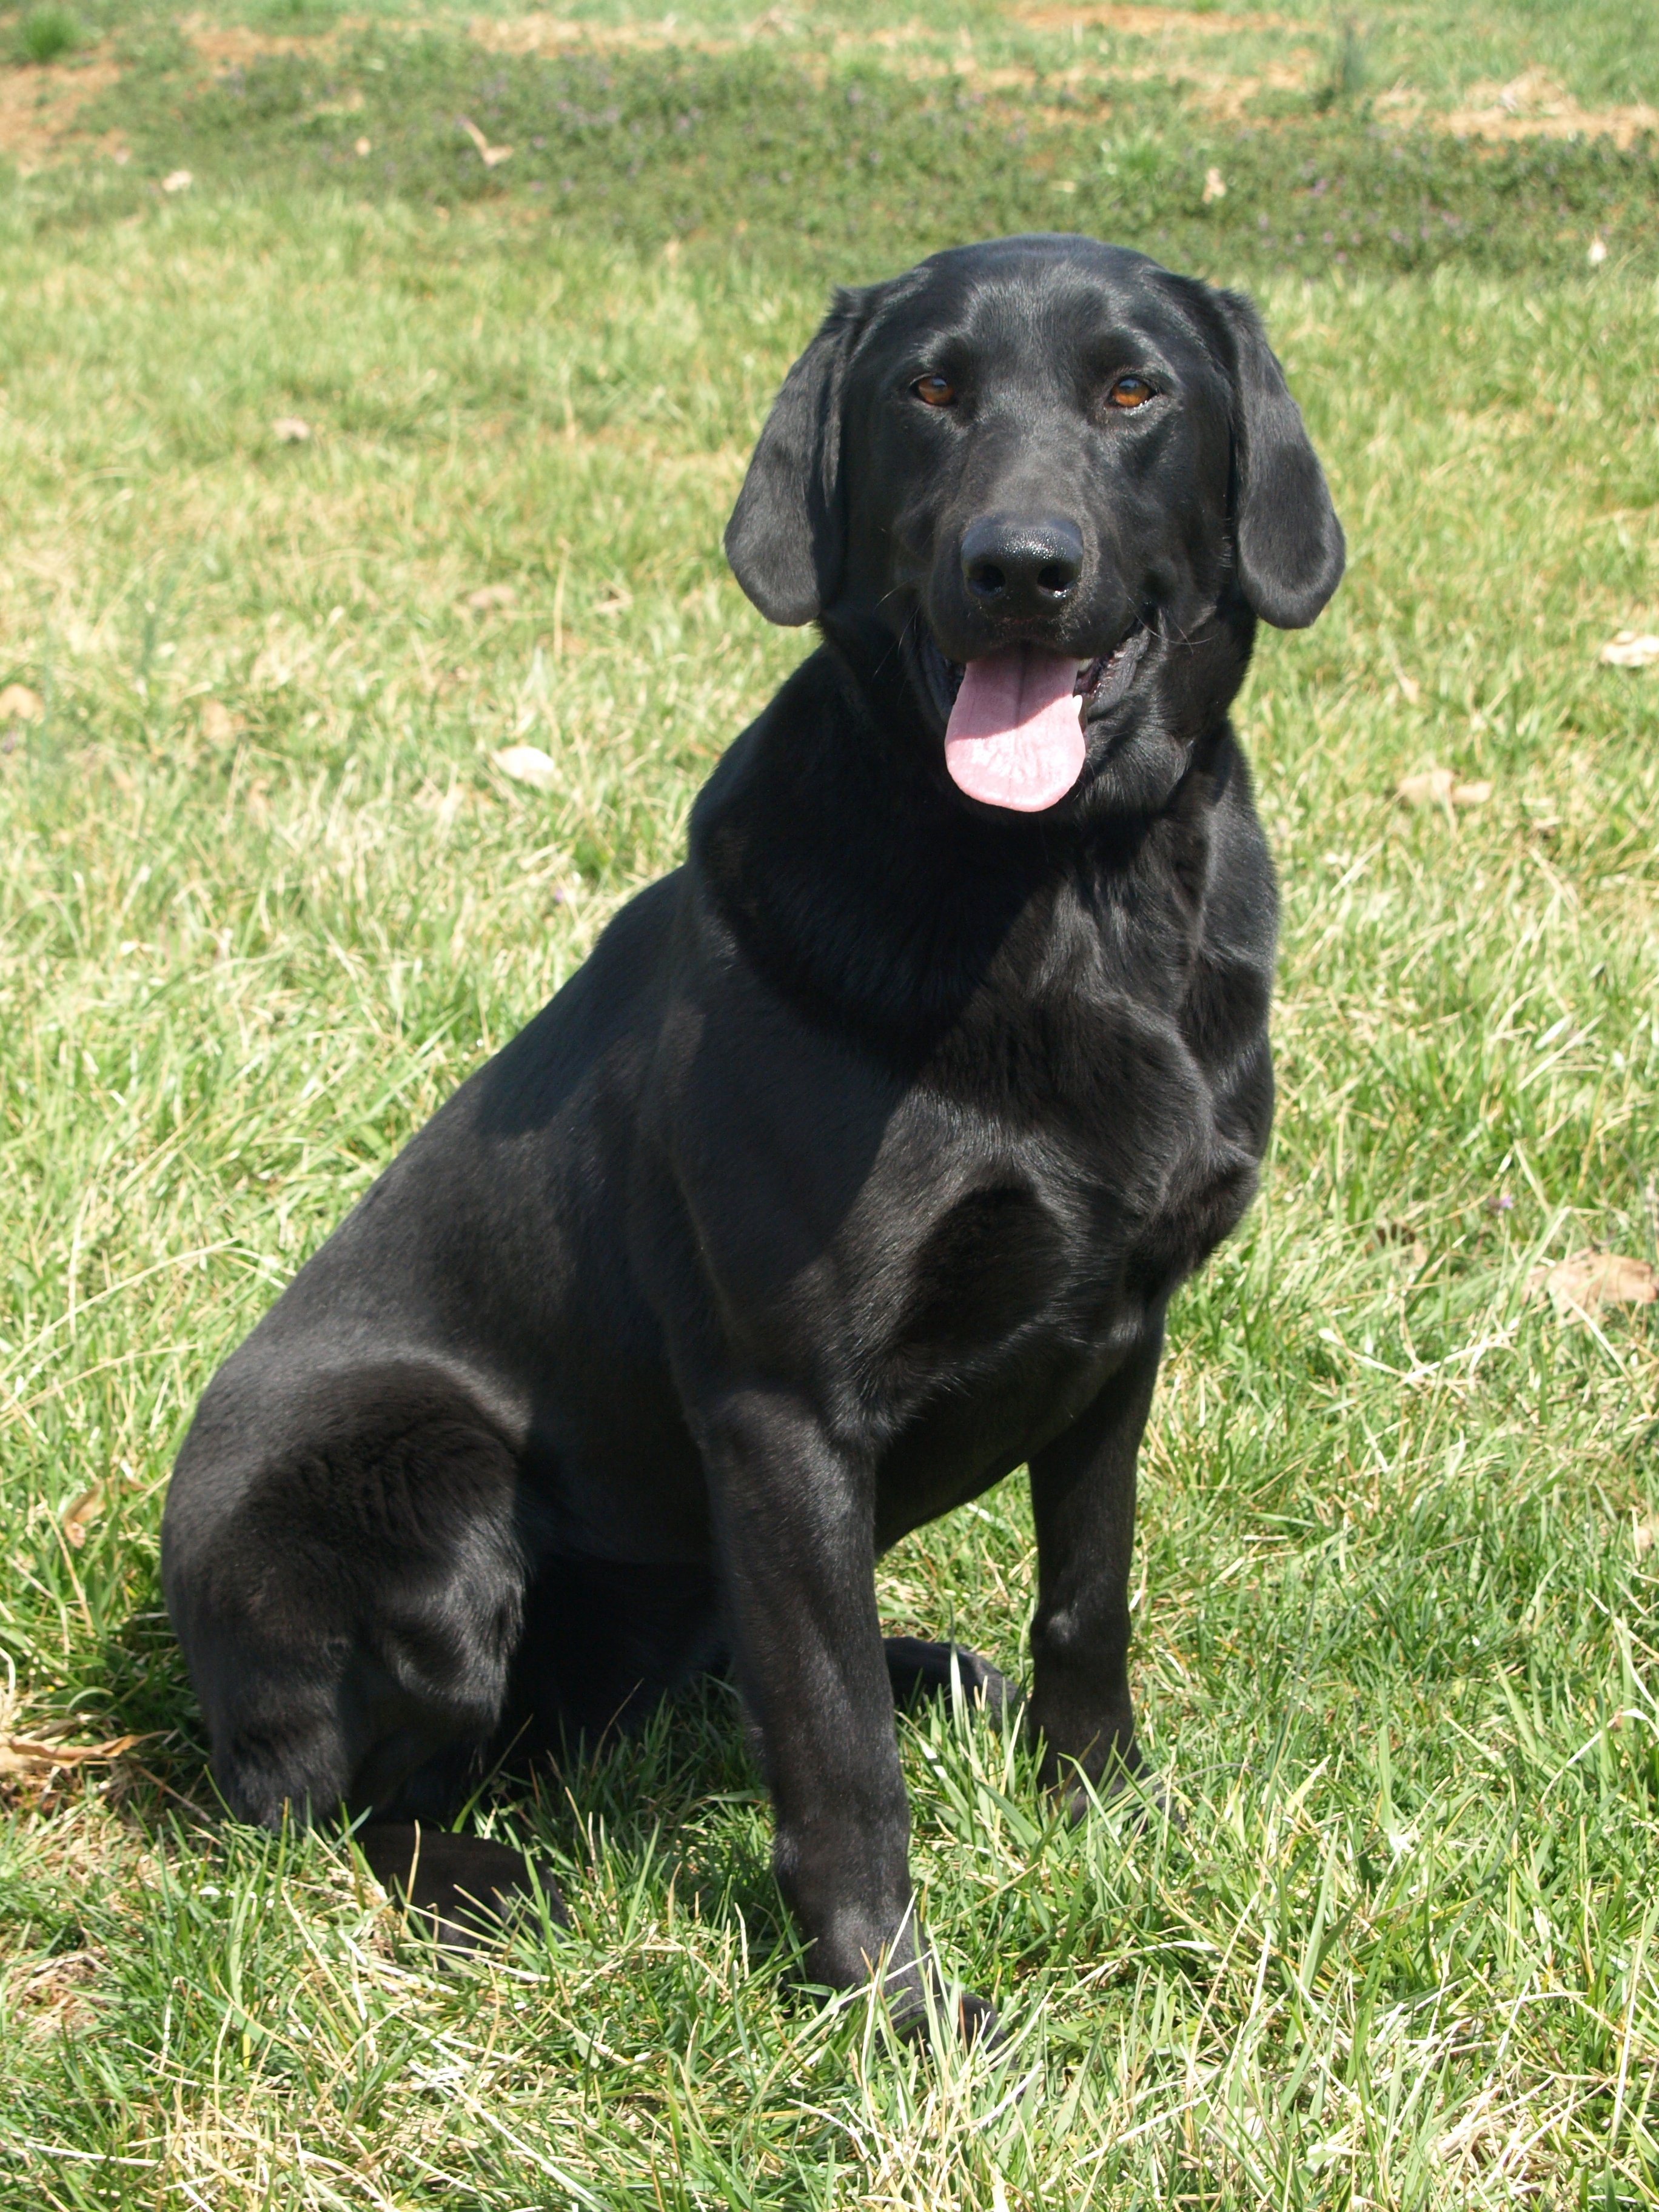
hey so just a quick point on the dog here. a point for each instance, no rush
(855, 1168)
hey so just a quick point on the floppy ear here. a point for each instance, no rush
(785, 539)
(1290, 552)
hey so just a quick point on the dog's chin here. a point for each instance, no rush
(1102, 683)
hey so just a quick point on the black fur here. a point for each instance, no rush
(854, 1170)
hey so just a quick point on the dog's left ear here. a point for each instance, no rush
(1291, 550)
(784, 539)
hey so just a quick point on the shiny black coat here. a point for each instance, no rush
(855, 1168)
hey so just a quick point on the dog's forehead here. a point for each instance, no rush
(1017, 292)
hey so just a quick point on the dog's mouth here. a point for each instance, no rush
(1015, 718)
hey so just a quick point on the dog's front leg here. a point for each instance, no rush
(1083, 1496)
(795, 1518)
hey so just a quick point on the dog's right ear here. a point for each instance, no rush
(786, 537)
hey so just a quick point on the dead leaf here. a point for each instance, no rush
(1438, 786)
(19, 704)
(80, 1515)
(21, 1755)
(290, 430)
(1645, 1534)
(491, 157)
(1215, 187)
(178, 180)
(529, 764)
(1598, 251)
(618, 599)
(1409, 690)
(1430, 787)
(1627, 650)
(363, 148)
(52, 1995)
(1589, 1280)
(219, 725)
(489, 597)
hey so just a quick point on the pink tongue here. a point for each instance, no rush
(1015, 737)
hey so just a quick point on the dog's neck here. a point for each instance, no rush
(831, 843)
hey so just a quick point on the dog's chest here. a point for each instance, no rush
(1081, 1168)
(999, 1191)
(1043, 1260)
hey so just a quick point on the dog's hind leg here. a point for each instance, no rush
(350, 1611)
(603, 1641)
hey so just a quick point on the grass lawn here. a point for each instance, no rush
(265, 899)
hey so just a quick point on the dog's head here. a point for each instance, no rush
(1062, 483)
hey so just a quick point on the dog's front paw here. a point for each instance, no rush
(924, 2007)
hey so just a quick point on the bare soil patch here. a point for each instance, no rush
(1219, 93)
(234, 45)
(1149, 22)
(1534, 106)
(39, 105)
(529, 35)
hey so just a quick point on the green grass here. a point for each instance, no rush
(819, 153)
(45, 34)
(264, 901)
(860, 159)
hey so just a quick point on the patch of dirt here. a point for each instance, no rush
(1400, 104)
(1229, 99)
(1149, 22)
(37, 107)
(1214, 94)
(1217, 93)
(234, 45)
(551, 34)
(1535, 106)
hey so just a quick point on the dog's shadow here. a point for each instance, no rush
(675, 1802)
(611, 1824)
(673, 1807)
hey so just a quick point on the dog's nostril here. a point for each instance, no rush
(985, 578)
(1057, 577)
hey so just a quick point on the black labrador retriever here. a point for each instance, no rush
(855, 1168)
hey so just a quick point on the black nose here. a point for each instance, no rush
(1017, 568)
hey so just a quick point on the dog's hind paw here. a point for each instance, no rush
(918, 1669)
(976, 2022)
(465, 1886)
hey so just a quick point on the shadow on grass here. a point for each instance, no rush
(676, 1802)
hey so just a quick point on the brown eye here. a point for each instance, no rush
(1130, 391)
(935, 390)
